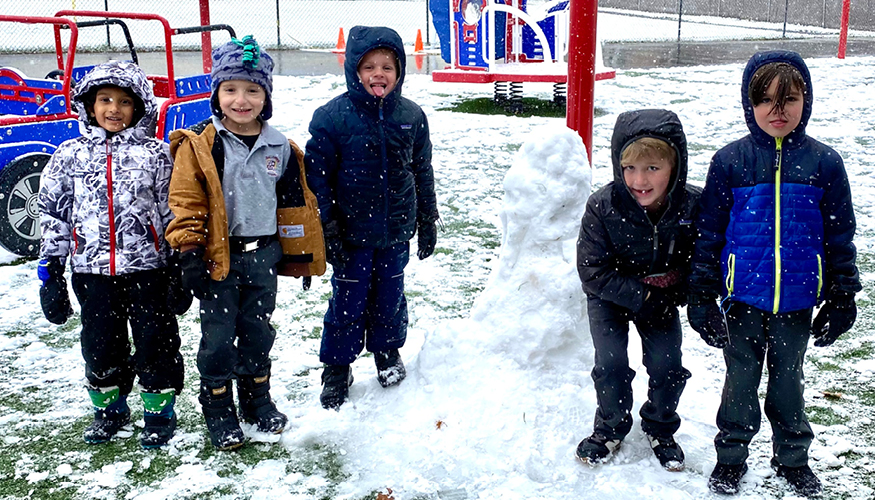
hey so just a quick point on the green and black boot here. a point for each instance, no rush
(257, 408)
(159, 416)
(111, 413)
(220, 414)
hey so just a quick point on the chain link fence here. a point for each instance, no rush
(315, 24)
(285, 24)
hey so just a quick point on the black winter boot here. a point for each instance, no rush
(801, 479)
(596, 449)
(336, 380)
(725, 478)
(390, 368)
(111, 413)
(257, 408)
(221, 416)
(668, 452)
(159, 417)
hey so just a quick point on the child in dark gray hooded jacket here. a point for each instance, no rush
(633, 258)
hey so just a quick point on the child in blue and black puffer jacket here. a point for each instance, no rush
(369, 163)
(776, 226)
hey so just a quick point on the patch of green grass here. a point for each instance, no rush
(29, 401)
(17, 262)
(824, 416)
(867, 397)
(445, 251)
(864, 351)
(827, 366)
(314, 334)
(526, 107)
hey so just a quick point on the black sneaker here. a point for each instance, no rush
(390, 368)
(725, 478)
(668, 452)
(802, 480)
(336, 380)
(596, 449)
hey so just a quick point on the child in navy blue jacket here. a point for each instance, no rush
(369, 163)
(776, 226)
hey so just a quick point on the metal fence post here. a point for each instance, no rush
(680, 15)
(786, 6)
(108, 41)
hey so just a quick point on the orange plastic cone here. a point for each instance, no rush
(341, 43)
(417, 47)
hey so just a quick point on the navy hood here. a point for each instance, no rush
(363, 39)
(658, 124)
(759, 60)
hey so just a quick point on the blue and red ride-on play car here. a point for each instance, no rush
(36, 117)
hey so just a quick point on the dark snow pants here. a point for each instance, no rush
(612, 377)
(367, 308)
(240, 311)
(779, 341)
(108, 304)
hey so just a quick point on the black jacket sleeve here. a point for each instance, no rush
(426, 201)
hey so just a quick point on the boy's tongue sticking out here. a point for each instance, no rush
(379, 89)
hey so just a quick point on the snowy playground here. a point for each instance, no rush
(498, 392)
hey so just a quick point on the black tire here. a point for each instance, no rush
(19, 213)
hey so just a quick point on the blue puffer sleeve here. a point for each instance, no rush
(714, 208)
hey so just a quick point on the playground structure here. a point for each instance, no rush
(499, 42)
(36, 114)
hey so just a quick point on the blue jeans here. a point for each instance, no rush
(367, 308)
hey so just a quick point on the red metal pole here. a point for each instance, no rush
(581, 69)
(206, 40)
(843, 34)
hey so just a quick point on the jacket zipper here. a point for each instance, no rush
(385, 167)
(778, 159)
(110, 207)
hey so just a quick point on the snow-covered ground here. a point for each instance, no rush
(498, 392)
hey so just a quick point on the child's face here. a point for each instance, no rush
(779, 121)
(241, 102)
(113, 109)
(647, 180)
(378, 73)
